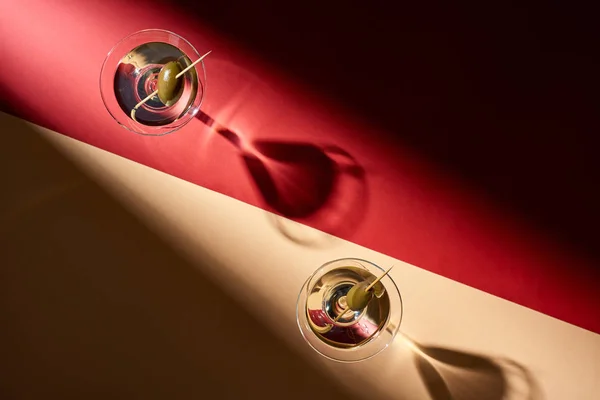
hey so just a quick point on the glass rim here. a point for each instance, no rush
(304, 293)
(194, 109)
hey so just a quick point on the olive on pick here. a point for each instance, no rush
(168, 86)
(358, 297)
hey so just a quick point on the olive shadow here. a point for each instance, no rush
(318, 185)
(95, 305)
(450, 374)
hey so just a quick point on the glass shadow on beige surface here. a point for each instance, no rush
(439, 312)
(447, 374)
(451, 374)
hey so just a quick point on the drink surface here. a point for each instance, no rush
(136, 77)
(327, 300)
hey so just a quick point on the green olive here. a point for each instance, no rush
(169, 87)
(358, 297)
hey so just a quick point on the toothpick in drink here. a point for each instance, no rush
(378, 279)
(179, 75)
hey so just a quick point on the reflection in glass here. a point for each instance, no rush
(342, 335)
(130, 73)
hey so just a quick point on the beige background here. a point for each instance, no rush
(119, 281)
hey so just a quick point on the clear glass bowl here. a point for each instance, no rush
(130, 72)
(358, 335)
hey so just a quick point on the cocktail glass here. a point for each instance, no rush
(356, 335)
(130, 73)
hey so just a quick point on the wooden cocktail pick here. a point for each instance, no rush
(378, 279)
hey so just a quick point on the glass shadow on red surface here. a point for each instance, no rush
(496, 93)
(303, 181)
(308, 184)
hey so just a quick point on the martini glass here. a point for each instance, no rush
(335, 333)
(130, 73)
